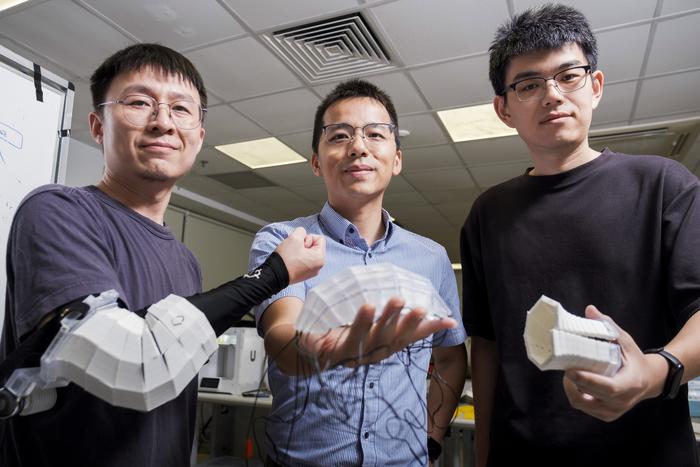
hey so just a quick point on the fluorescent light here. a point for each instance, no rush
(475, 122)
(7, 4)
(259, 153)
(457, 266)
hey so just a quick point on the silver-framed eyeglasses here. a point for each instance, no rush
(569, 80)
(339, 134)
(139, 110)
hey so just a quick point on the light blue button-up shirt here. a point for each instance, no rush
(375, 415)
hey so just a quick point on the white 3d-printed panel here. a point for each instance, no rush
(132, 362)
(335, 302)
(557, 340)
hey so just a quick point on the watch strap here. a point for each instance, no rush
(675, 373)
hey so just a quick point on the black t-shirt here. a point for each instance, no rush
(67, 243)
(620, 232)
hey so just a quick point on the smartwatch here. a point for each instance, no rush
(674, 376)
(434, 449)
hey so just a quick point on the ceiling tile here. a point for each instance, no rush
(602, 13)
(618, 62)
(616, 103)
(439, 197)
(178, 24)
(453, 178)
(394, 201)
(432, 157)
(282, 113)
(675, 35)
(415, 27)
(272, 196)
(399, 185)
(675, 6)
(227, 69)
(210, 161)
(401, 90)
(64, 33)
(271, 13)
(655, 98)
(424, 130)
(489, 175)
(493, 150)
(456, 212)
(291, 175)
(300, 142)
(313, 192)
(470, 86)
(224, 125)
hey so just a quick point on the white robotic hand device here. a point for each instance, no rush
(558, 340)
(335, 302)
(120, 357)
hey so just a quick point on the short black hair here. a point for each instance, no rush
(348, 90)
(548, 27)
(140, 56)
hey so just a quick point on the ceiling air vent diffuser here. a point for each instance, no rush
(331, 49)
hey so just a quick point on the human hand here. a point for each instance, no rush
(303, 254)
(608, 397)
(365, 341)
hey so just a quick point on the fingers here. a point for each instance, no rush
(354, 343)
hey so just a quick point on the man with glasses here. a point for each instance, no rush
(68, 243)
(369, 405)
(599, 232)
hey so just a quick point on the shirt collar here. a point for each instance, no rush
(339, 228)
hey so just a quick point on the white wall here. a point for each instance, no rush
(85, 164)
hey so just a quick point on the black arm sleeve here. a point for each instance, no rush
(225, 305)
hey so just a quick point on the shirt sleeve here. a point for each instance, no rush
(681, 237)
(264, 243)
(475, 311)
(448, 292)
(57, 253)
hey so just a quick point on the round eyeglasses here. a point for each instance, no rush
(569, 80)
(139, 110)
(340, 134)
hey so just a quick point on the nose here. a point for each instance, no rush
(357, 147)
(551, 92)
(161, 118)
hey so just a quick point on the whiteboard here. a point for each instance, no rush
(33, 138)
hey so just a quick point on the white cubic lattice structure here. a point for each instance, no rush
(128, 361)
(335, 302)
(557, 340)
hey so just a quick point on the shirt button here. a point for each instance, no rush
(366, 434)
(351, 230)
(371, 385)
(370, 255)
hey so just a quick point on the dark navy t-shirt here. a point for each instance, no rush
(67, 243)
(620, 232)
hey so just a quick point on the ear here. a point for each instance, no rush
(398, 162)
(597, 80)
(316, 165)
(202, 133)
(501, 107)
(96, 127)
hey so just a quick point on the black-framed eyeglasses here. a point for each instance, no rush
(139, 110)
(569, 80)
(373, 133)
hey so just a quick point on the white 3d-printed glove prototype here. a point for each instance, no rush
(557, 340)
(129, 361)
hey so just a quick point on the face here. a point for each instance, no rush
(557, 122)
(358, 171)
(158, 152)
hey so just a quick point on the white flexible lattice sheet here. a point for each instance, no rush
(335, 302)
